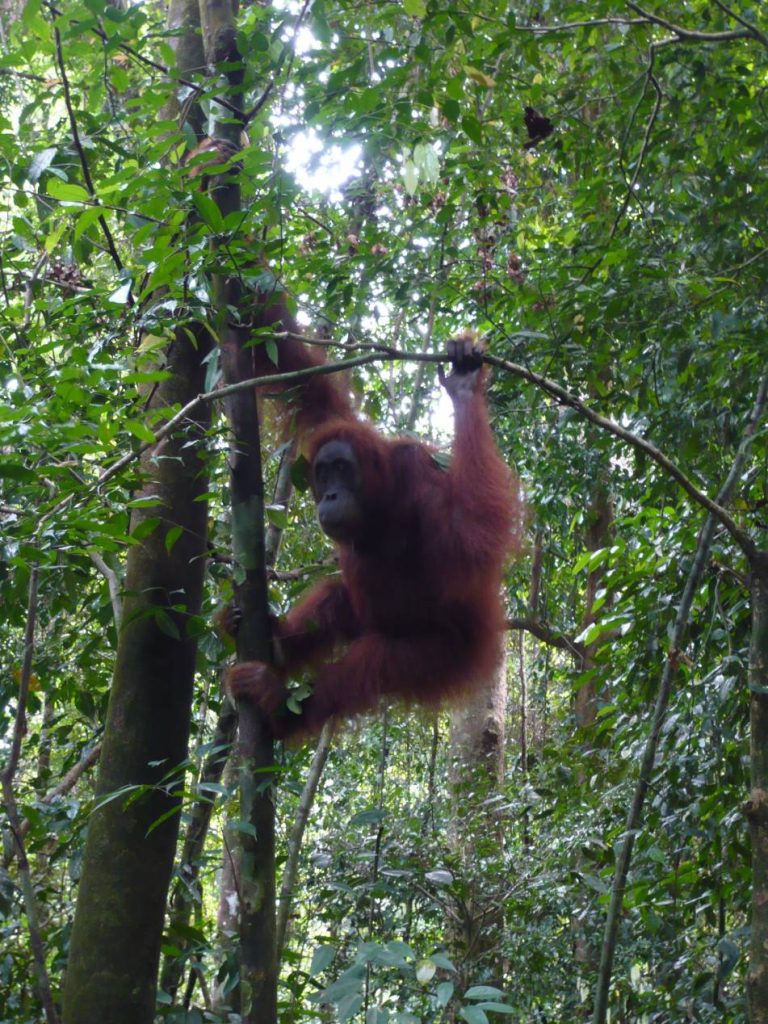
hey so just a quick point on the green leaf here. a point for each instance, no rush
(140, 431)
(277, 516)
(67, 191)
(53, 239)
(368, 100)
(427, 162)
(444, 993)
(416, 8)
(15, 471)
(479, 77)
(472, 127)
(145, 527)
(121, 295)
(483, 992)
(86, 219)
(172, 536)
(451, 109)
(300, 472)
(425, 971)
(209, 212)
(166, 624)
(371, 816)
(41, 162)
(473, 1015)
(322, 958)
(410, 176)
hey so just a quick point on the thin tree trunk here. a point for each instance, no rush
(598, 534)
(7, 778)
(524, 734)
(757, 982)
(477, 752)
(290, 871)
(186, 894)
(757, 806)
(255, 751)
(115, 944)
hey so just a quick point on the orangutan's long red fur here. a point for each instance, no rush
(417, 612)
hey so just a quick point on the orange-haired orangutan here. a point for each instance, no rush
(417, 611)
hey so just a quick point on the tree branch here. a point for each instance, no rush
(199, 91)
(385, 354)
(547, 634)
(686, 35)
(113, 583)
(291, 869)
(564, 397)
(81, 152)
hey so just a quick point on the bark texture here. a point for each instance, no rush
(129, 852)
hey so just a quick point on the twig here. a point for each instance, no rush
(752, 29)
(569, 26)
(249, 116)
(30, 286)
(20, 724)
(65, 784)
(113, 583)
(645, 144)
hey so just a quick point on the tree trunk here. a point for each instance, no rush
(186, 893)
(757, 807)
(130, 848)
(598, 534)
(477, 747)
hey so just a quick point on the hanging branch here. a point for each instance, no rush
(564, 397)
(546, 633)
(698, 566)
(64, 785)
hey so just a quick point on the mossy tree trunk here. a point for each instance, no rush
(255, 751)
(129, 852)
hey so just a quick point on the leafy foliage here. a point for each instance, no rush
(387, 184)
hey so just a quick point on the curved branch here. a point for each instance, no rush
(388, 354)
(686, 35)
(564, 397)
